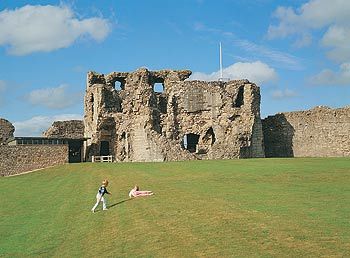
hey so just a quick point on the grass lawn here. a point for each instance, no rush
(230, 208)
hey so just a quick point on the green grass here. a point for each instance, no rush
(230, 208)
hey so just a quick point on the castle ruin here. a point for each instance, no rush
(129, 118)
(126, 117)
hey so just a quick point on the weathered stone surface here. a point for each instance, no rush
(138, 124)
(17, 159)
(319, 132)
(73, 129)
(6, 131)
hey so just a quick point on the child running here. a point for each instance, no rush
(99, 196)
(135, 192)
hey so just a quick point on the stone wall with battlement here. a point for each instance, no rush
(319, 132)
(16, 159)
(126, 117)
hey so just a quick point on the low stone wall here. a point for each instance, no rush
(319, 132)
(22, 158)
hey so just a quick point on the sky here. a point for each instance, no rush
(296, 51)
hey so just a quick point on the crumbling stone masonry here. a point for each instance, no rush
(319, 132)
(126, 117)
(6, 131)
(73, 129)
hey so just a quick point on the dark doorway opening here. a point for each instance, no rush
(74, 148)
(104, 148)
(191, 141)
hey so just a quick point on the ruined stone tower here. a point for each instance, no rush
(125, 117)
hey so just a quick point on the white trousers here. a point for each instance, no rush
(99, 198)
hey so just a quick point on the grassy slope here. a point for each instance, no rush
(255, 207)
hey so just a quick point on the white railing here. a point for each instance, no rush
(102, 158)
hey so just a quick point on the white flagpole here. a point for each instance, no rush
(220, 62)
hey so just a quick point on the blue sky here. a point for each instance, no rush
(296, 51)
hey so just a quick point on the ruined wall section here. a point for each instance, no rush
(6, 131)
(24, 158)
(221, 114)
(319, 132)
(73, 129)
(140, 124)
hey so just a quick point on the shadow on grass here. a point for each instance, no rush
(117, 203)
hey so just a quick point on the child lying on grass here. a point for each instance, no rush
(135, 192)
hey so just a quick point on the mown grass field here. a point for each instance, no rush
(231, 208)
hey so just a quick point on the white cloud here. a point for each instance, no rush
(46, 28)
(280, 58)
(289, 23)
(258, 51)
(338, 38)
(54, 98)
(35, 126)
(304, 41)
(256, 72)
(329, 77)
(283, 94)
(316, 15)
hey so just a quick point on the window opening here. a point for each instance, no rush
(190, 142)
(92, 106)
(240, 98)
(117, 85)
(158, 87)
(209, 137)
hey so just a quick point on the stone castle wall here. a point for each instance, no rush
(16, 159)
(188, 120)
(319, 132)
(6, 131)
